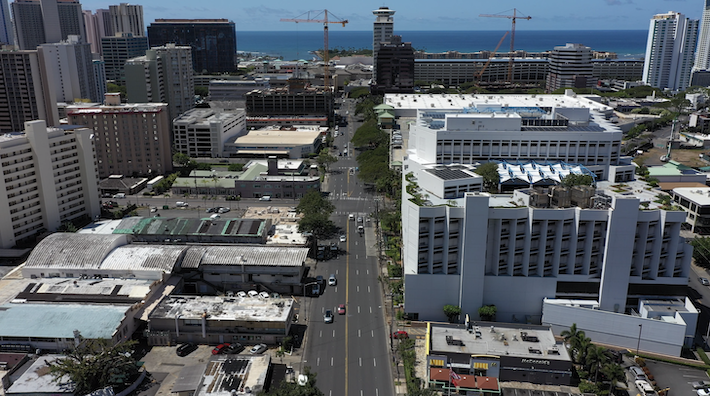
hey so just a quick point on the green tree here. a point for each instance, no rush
(235, 167)
(487, 312)
(359, 92)
(289, 388)
(67, 226)
(491, 178)
(573, 332)
(614, 373)
(181, 159)
(202, 91)
(115, 88)
(95, 364)
(595, 359)
(701, 251)
(316, 212)
(572, 180)
(452, 312)
(369, 135)
(324, 159)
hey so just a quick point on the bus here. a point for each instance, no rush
(154, 180)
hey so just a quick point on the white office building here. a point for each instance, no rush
(50, 177)
(127, 18)
(466, 129)
(69, 70)
(382, 31)
(570, 66)
(670, 51)
(702, 55)
(204, 132)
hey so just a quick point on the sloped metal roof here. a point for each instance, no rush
(144, 257)
(73, 251)
(247, 255)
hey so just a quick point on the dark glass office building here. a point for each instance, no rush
(213, 41)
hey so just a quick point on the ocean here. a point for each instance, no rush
(290, 45)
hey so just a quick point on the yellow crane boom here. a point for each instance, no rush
(512, 36)
(324, 20)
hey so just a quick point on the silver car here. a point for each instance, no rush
(258, 349)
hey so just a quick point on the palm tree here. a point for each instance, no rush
(596, 357)
(580, 344)
(573, 332)
(614, 373)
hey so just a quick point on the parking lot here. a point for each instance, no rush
(676, 378)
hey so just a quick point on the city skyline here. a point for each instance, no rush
(451, 15)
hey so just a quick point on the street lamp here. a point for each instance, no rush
(305, 311)
(638, 343)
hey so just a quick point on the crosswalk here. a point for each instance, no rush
(336, 197)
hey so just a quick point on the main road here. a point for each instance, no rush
(350, 355)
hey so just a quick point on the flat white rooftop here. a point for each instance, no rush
(225, 308)
(699, 195)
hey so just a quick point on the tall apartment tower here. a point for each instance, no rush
(382, 31)
(7, 36)
(34, 199)
(213, 41)
(134, 139)
(118, 49)
(98, 26)
(46, 21)
(670, 51)
(702, 55)
(24, 93)
(570, 66)
(163, 75)
(68, 70)
(127, 18)
(394, 67)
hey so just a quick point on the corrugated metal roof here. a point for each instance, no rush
(252, 255)
(144, 257)
(193, 257)
(73, 251)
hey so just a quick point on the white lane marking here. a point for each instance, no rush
(377, 392)
(333, 333)
(368, 272)
(358, 309)
(360, 359)
(373, 333)
(318, 362)
(368, 289)
(358, 289)
(370, 309)
(358, 333)
(374, 361)
(331, 362)
(356, 257)
(320, 333)
(357, 272)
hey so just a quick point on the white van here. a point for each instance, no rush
(119, 195)
(265, 198)
(181, 204)
(638, 373)
(645, 388)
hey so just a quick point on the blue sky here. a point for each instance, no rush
(424, 14)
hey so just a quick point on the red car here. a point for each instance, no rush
(219, 348)
(341, 309)
(400, 335)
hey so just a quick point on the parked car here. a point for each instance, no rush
(224, 210)
(341, 309)
(328, 317)
(185, 349)
(264, 295)
(219, 348)
(210, 210)
(181, 204)
(351, 216)
(258, 349)
(265, 198)
(316, 289)
(241, 293)
(343, 238)
(233, 349)
(153, 209)
(332, 281)
(704, 281)
(252, 293)
(400, 335)
(700, 384)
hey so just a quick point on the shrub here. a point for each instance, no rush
(703, 356)
(640, 361)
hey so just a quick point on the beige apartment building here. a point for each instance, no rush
(49, 178)
(131, 139)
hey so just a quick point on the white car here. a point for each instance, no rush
(252, 293)
(328, 317)
(223, 210)
(241, 294)
(343, 238)
(258, 349)
(351, 216)
(264, 295)
(332, 281)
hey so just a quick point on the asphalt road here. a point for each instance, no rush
(350, 355)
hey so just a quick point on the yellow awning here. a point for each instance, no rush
(483, 366)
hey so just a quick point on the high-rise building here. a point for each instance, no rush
(24, 95)
(34, 199)
(98, 26)
(118, 49)
(382, 31)
(394, 67)
(702, 56)
(7, 36)
(68, 70)
(213, 41)
(131, 139)
(46, 21)
(127, 18)
(570, 66)
(100, 77)
(204, 132)
(670, 51)
(163, 75)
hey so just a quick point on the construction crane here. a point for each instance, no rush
(325, 22)
(479, 75)
(512, 36)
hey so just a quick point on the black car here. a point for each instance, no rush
(233, 349)
(185, 349)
